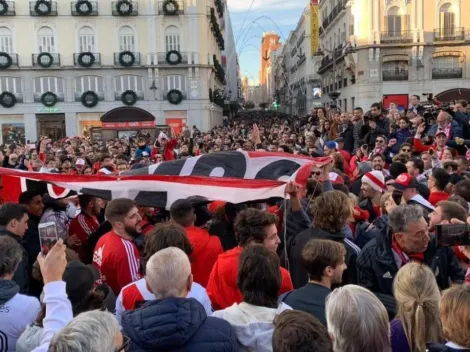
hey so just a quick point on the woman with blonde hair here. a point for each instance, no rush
(417, 321)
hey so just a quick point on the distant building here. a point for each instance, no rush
(269, 43)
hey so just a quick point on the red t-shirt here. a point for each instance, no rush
(118, 261)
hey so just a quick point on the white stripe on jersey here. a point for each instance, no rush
(132, 260)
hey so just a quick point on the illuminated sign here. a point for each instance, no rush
(314, 27)
(47, 110)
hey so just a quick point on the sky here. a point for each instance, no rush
(285, 14)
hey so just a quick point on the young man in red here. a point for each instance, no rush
(251, 226)
(206, 248)
(116, 255)
(437, 184)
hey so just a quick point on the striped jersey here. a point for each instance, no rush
(118, 261)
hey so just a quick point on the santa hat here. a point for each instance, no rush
(162, 136)
(375, 179)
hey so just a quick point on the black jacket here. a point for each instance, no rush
(224, 230)
(376, 267)
(22, 275)
(296, 244)
(366, 204)
(437, 347)
(33, 247)
(347, 133)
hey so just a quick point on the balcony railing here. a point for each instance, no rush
(161, 57)
(86, 60)
(83, 10)
(393, 75)
(42, 61)
(8, 8)
(165, 95)
(14, 60)
(396, 37)
(455, 34)
(139, 93)
(125, 9)
(171, 11)
(60, 96)
(447, 73)
(126, 59)
(37, 8)
(78, 96)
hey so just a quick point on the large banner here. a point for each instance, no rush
(314, 26)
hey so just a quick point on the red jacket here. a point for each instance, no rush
(222, 287)
(168, 153)
(206, 249)
(82, 226)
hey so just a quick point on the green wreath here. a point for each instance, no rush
(171, 11)
(129, 97)
(174, 96)
(41, 12)
(40, 61)
(80, 11)
(9, 60)
(49, 99)
(125, 63)
(178, 60)
(119, 6)
(7, 100)
(89, 99)
(3, 7)
(86, 59)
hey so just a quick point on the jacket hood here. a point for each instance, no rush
(8, 289)
(253, 325)
(163, 325)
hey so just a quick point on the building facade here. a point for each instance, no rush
(66, 63)
(388, 50)
(269, 43)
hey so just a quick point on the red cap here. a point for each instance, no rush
(405, 181)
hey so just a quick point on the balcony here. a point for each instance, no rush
(8, 60)
(161, 59)
(7, 8)
(126, 59)
(78, 96)
(396, 37)
(125, 8)
(86, 61)
(171, 9)
(456, 34)
(60, 96)
(395, 75)
(83, 9)
(43, 8)
(139, 93)
(165, 95)
(447, 73)
(46, 60)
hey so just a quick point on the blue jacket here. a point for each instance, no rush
(455, 130)
(139, 152)
(177, 324)
(401, 136)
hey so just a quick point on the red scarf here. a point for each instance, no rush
(447, 130)
(417, 257)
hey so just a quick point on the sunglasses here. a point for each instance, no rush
(125, 344)
(406, 150)
(316, 173)
(379, 141)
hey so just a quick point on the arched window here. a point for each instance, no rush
(86, 39)
(128, 82)
(127, 39)
(48, 84)
(6, 40)
(393, 25)
(446, 20)
(172, 38)
(10, 84)
(86, 83)
(46, 40)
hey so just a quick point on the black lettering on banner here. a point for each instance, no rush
(234, 164)
(3, 342)
(152, 199)
(277, 169)
(172, 168)
(100, 193)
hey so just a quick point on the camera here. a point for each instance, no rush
(451, 235)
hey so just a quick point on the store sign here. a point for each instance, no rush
(47, 110)
(314, 26)
(142, 124)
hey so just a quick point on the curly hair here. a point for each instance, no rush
(250, 225)
(331, 210)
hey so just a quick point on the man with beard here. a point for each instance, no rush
(373, 184)
(116, 255)
(324, 261)
(378, 164)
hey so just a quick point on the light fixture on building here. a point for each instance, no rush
(153, 87)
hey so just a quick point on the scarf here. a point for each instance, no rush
(8, 289)
(467, 277)
(447, 131)
(417, 257)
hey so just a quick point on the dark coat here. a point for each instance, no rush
(376, 267)
(437, 347)
(455, 130)
(22, 275)
(177, 324)
(347, 133)
(366, 204)
(33, 247)
(296, 244)
(224, 230)
(367, 231)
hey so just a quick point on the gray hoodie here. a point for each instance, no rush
(253, 325)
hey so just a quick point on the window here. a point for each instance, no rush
(46, 40)
(126, 39)
(129, 82)
(446, 20)
(393, 22)
(6, 40)
(48, 84)
(86, 38)
(172, 39)
(174, 82)
(86, 83)
(447, 67)
(395, 71)
(10, 84)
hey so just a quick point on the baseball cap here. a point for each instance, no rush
(79, 280)
(405, 181)
(336, 178)
(440, 131)
(80, 162)
(331, 145)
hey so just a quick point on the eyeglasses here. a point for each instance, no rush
(406, 150)
(316, 173)
(379, 141)
(125, 344)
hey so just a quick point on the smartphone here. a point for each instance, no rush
(397, 196)
(47, 236)
(451, 235)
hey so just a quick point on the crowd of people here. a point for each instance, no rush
(355, 260)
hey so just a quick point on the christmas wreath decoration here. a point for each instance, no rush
(39, 7)
(79, 7)
(171, 7)
(89, 99)
(7, 100)
(86, 59)
(124, 7)
(49, 99)
(8, 60)
(45, 60)
(174, 96)
(173, 57)
(123, 61)
(129, 97)
(3, 7)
